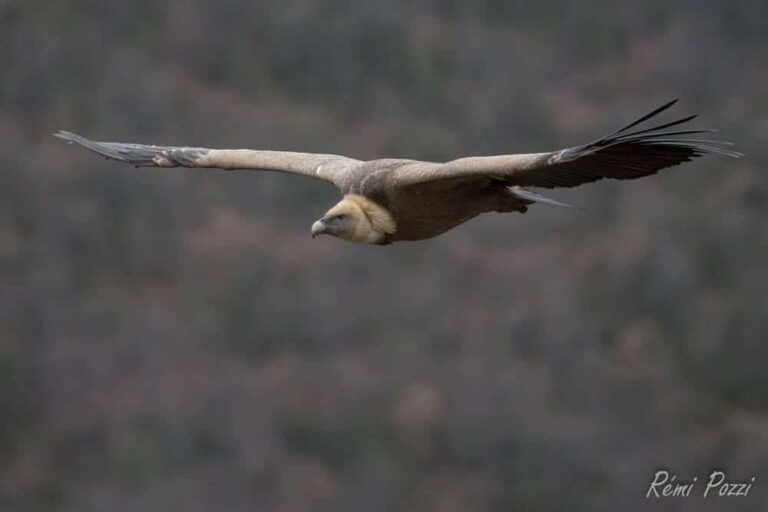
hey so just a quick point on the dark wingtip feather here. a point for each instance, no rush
(659, 110)
(656, 128)
(624, 155)
(703, 147)
(655, 134)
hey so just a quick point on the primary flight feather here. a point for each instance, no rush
(392, 200)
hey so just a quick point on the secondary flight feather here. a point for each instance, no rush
(392, 200)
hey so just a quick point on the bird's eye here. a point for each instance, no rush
(341, 216)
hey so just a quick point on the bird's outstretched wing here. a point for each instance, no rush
(622, 155)
(327, 167)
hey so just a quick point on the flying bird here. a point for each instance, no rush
(392, 200)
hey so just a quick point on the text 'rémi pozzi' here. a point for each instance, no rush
(666, 485)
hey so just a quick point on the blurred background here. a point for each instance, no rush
(174, 340)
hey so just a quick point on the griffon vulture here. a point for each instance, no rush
(392, 200)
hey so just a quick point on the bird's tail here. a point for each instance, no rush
(537, 198)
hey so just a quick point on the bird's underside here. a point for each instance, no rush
(392, 200)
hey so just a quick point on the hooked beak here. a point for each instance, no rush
(319, 228)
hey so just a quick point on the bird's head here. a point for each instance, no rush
(356, 219)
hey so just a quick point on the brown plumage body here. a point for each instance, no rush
(423, 210)
(391, 200)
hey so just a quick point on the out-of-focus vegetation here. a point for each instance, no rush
(174, 340)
